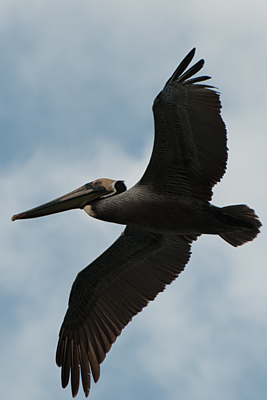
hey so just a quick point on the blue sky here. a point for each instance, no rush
(78, 79)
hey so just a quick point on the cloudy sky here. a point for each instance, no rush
(78, 79)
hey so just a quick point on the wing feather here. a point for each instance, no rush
(85, 369)
(75, 361)
(108, 293)
(189, 154)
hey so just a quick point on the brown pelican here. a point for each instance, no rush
(163, 213)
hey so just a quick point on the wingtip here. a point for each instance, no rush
(180, 73)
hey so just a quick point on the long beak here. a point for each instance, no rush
(76, 199)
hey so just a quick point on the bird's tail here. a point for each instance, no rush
(244, 220)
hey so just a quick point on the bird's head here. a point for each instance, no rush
(79, 198)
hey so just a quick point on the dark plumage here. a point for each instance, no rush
(164, 212)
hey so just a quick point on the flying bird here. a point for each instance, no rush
(164, 213)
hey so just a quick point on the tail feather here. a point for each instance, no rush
(246, 222)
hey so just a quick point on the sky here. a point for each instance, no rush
(78, 79)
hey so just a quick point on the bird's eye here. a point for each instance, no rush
(96, 183)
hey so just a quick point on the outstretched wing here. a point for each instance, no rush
(108, 293)
(189, 154)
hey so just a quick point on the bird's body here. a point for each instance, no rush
(145, 209)
(164, 213)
